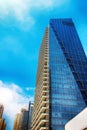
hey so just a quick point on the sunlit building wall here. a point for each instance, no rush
(41, 103)
(21, 120)
(79, 122)
(17, 122)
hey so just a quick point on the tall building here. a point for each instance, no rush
(17, 122)
(2, 120)
(2, 124)
(1, 110)
(41, 103)
(31, 106)
(61, 86)
(21, 120)
(24, 119)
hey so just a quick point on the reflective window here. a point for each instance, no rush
(68, 72)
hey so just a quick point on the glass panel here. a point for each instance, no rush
(66, 98)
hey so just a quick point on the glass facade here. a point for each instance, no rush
(68, 73)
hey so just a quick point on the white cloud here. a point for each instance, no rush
(11, 96)
(15, 7)
(20, 10)
(30, 88)
(41, 3)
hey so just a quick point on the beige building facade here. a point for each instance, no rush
(17, 122)
(2, 120)
(41, 102)
(1, 110)
(21, 120)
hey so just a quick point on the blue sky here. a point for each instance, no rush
(22, 25)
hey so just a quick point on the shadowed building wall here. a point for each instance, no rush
(68, 73)
(2, 120)
(1, 110)
(31, 107)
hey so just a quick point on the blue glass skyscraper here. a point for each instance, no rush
(61, 87)
(68, 73)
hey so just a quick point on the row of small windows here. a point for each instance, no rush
(65, 86)
(65, 91)
(66, 71)
(67, 97)
(66, 109)
(58, 127)
(82, 64)
(60, 115)
(68, 102)
(62, 81)
(58, 121)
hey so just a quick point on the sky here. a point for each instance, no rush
(22, 25)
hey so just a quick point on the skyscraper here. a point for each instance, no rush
(24, 119)
(2, 124)
(41, 103)
(21, 120)
(61, 87)
(2, 120)
(1, 110)
(31, 106)
(17, 122)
